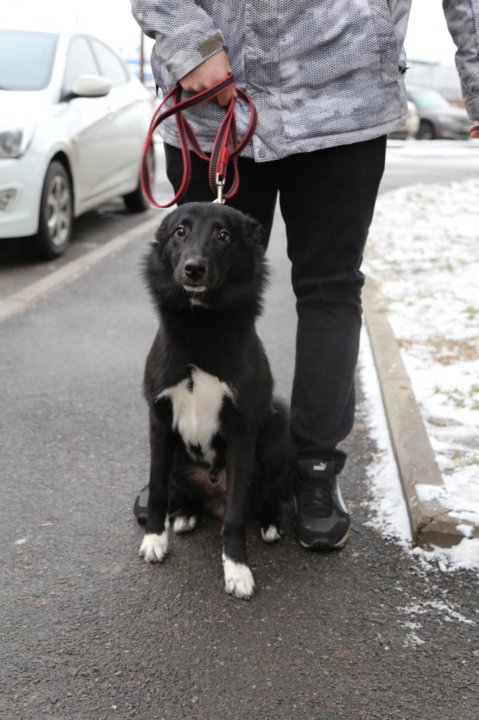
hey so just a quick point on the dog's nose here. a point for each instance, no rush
(195, 268)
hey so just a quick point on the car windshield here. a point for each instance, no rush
(428, 99)
(26, 59)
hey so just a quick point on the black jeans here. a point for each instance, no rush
(327, 200)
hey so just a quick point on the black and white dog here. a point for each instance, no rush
(219, 441)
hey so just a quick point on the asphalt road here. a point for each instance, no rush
(89, 630)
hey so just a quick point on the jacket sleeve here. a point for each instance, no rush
(462, 18)
(184, 33)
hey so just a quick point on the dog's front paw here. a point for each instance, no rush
(154, 547)
(239, 579)
(270, 534)
(184, 524)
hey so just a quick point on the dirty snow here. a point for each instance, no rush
(423, 251)
(441, 611)
(447, 611)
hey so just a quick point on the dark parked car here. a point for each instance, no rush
(438, 119)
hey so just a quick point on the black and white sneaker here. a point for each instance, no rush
(322, 518)
(141, 504)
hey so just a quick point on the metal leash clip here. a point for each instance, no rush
(220, 183)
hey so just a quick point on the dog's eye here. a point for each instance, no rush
(180, 232)
(224, 236)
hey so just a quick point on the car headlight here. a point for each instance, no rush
(14, 142)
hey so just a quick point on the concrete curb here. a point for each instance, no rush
(26, 297)
(431, 523)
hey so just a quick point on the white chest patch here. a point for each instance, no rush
(196, 403)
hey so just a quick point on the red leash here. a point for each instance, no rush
(225, 146)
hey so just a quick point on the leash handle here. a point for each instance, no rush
(226, 146)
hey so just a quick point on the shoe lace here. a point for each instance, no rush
(316, 498)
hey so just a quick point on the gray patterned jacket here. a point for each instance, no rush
(321, 73)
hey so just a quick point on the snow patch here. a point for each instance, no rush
(423, 250)
(449, 614)
(387, 508)
(463, 556)
(446, 613)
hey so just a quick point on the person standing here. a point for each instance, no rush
(327, 80)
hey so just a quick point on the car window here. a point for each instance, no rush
(80, 61)
(26, 59)
(110, 64)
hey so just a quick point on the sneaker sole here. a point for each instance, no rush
(320, 545)
(140, 514)
(326, 546)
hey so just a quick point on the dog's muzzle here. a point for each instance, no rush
(195, 269)
(193, 274)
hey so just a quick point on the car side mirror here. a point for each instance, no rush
(91, 86)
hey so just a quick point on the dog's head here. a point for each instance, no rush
(206, 255)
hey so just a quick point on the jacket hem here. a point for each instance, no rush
(302, 146)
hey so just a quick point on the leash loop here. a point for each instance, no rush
(226, 146)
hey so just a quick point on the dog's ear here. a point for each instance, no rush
(161, 238)
(254, 233)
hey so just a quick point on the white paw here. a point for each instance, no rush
(154, 547)
(271, 534)
(238, 579)
(183, 524)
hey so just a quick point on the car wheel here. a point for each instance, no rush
(426, 131)
(56, 213)
(135, 201)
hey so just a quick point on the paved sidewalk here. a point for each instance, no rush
(90, 631)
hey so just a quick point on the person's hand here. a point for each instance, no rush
(474, 131)
(211, 71)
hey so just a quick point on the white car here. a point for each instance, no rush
(72, 126)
